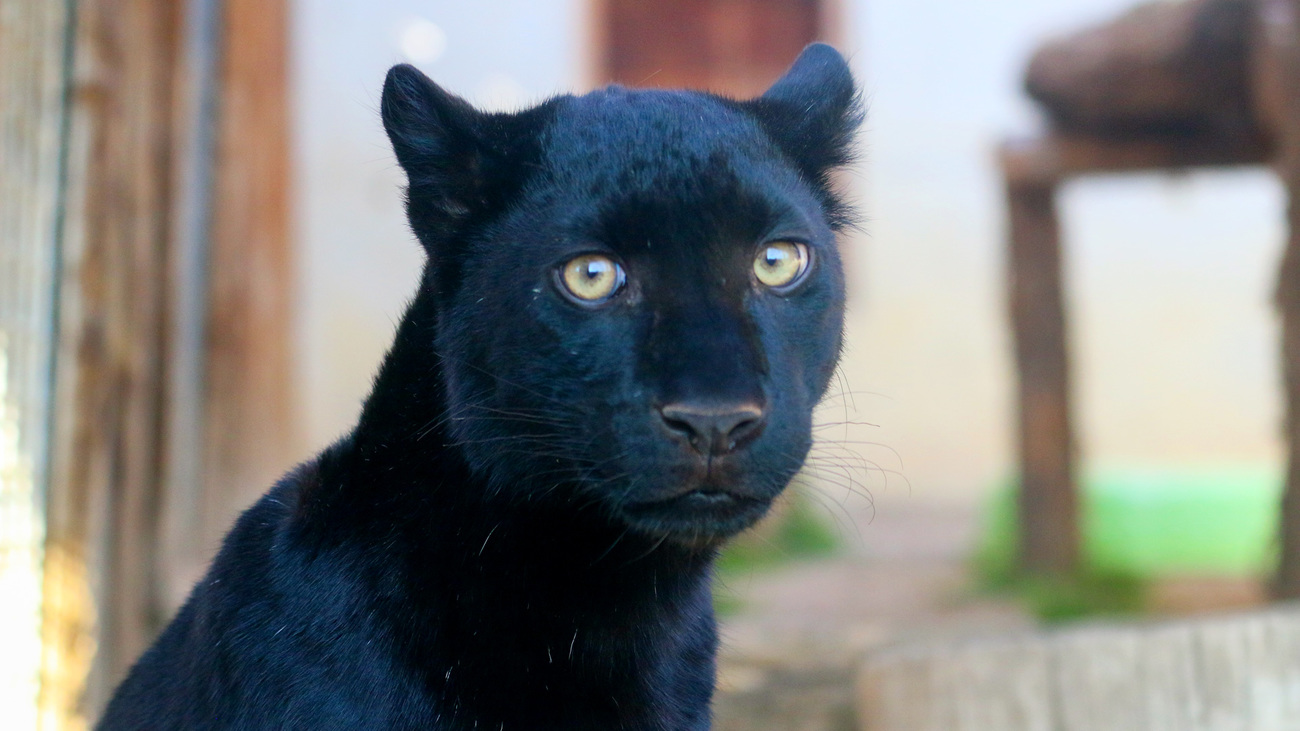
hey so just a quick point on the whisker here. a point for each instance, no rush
(829, 424)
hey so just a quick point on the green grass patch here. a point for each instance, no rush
(1060, 599)
(1140, 524)
(799, 533)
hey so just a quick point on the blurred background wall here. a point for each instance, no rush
(1168, 279)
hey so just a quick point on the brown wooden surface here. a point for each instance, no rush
(735, 47)
(1162, 67)
(1278, 92)
(1049, 535)
(105, 488)
(112, 576)
(251, 289)
(248, 409)
(1108, 62)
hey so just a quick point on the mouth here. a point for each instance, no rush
(698, 517)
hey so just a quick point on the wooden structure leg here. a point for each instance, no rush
(1049, 536)
(1277, 93)
(1286, 583)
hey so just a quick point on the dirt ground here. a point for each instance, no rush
(790, 652)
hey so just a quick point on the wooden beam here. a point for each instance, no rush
(1054, 158)
(1048, 506)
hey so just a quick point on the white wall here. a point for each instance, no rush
(358, 261)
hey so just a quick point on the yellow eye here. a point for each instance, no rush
(592, 278)
(780, 263)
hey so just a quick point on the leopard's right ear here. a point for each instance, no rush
(457, 159)
(433, 136)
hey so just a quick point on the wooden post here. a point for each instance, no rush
(1049, 534)
(110, 368)
(111, 572)
(1277, 86)
(249, 432)
(247, 412)
(1286, 582)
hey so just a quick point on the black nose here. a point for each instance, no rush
(714, 430)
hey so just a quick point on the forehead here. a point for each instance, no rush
(650, 132)
(650, 159)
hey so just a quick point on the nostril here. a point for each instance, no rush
(744, 428)
(678, 425)
(685, 425)
(713, 430)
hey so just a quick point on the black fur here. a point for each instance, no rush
(513, 537)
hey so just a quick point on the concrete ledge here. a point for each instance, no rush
(1231, 673)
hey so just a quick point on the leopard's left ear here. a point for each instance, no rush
(812, 111)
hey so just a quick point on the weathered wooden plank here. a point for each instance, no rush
(106, 481)
(1093, 681)
(33, 74)
(1232, 673)
(1049, 536)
